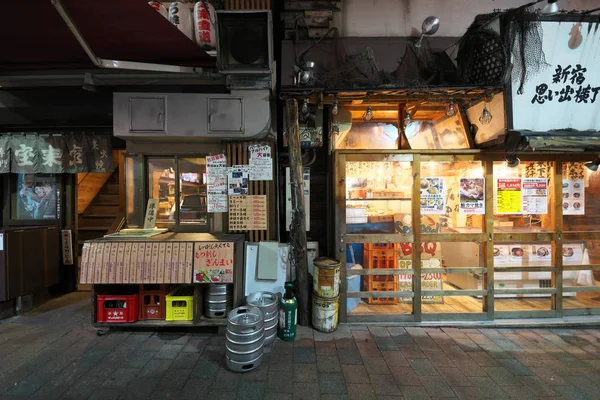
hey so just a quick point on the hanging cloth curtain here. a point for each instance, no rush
(55, 154)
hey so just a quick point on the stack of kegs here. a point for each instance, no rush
(218, 300)
(268, 303)
(326, 294)
(245, 336)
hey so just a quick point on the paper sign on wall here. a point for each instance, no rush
(261, 163)
(433, 195)
(213, 262)
(573, 197)
(248, 213)
(508, 196)
(472, 195)
(535, 196)
(216, 189)
(238, 177)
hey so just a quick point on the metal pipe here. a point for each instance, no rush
(115, 64)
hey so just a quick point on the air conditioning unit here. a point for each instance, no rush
(245, 48)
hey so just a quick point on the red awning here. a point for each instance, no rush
(34, 36)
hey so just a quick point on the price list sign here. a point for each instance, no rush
(509, 196)
(248, 213)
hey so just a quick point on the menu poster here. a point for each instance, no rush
(573, 197)
(516, 254)
(501, 254)
(238, 180)
(216, 189)
(433, 199)
(261, 163)
(541, 253)
(248, 213)
(508, 196)
(213, 262)
(535, 196)
(472, 195)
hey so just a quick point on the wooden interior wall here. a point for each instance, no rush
(237, 154)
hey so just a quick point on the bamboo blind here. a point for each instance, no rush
(237, 154)
(248, 4)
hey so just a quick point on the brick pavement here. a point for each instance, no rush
(53, 353)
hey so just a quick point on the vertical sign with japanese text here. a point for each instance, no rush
(151, 211)
(216, 173)
(261, 163)
(213, 262)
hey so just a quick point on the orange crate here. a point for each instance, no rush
(381, 255)
(381, 246)
(382, 286)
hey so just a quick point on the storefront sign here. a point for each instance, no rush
(56, 154)
(508, 196)
(433, 195)
(261, 163)
(213, 262)
(67, 246)
(573, 197)
(535, 195)
(566, 94)
(216, 189)
(248, 213)
(238, 178)
(472, 195)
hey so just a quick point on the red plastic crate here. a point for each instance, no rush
(111, 308)
(152, 302)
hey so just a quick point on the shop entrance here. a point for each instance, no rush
(498, 236)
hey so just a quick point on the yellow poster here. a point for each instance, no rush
(509, 196)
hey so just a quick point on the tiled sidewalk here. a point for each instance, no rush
(57, 355)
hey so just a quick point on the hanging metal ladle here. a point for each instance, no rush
(429, 27)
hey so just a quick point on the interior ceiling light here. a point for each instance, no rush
(368, 114)
(407, 119)
(486, 116)
(593, 166)
(512, 161)
(304, 109)
(551, 7)
(335, 109)
(451, 110)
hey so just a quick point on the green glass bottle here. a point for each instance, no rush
(288, 314)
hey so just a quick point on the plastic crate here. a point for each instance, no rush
(152, 302)
(180, 304)
(381, 246)
(381, 255)
(382, 286)
(114, 309)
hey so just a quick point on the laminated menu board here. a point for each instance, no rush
(127, 263)
(472, 196)
(508, 196)
(260, 162)
(213, 262)
(85, 266)
(433, 195)
(535, 195)
(573, 197)
(248, 213)
(216, 188)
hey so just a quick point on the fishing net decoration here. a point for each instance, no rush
(486, 58)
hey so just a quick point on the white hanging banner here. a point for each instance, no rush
(216, 188)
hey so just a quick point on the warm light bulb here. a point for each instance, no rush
(304, 108)
(368, 114)
(451, 110)
(486, 116)
(407, 119)
(334, 109)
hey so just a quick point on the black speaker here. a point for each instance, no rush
(244, 42)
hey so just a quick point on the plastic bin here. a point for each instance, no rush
(180, 304)
(112, 308)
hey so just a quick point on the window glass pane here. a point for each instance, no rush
(192, 191)
(161, 186)
(581, 197)
(34, 196)
(378, 194)
(454, 191)
(523, 200)
(435, 126)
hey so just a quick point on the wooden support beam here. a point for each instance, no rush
(298, 228)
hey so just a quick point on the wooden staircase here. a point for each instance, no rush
(102, 214)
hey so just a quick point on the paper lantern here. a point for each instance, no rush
(204, 24)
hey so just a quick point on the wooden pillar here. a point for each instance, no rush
(298, 228)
